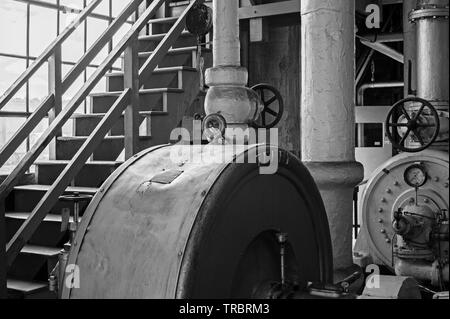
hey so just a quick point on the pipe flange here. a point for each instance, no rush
(429, 13)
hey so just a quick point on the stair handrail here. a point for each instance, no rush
(53, 53)
(48, 52)
(125, 102)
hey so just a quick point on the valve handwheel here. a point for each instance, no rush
(413, 125)
(270, 115)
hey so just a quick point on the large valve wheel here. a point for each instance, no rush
(167, 225)
(273, 110)
(422, 126)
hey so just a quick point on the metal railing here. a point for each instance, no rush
(127, 102)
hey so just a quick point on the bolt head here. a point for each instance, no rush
(380, 210)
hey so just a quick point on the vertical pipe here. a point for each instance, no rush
(328, 115)
(409, 46)
(228, 94)
(432, 50)
(226, 50)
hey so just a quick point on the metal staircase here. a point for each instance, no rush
(141, 105)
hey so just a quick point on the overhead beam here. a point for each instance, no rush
(384, 49)
(269, 9)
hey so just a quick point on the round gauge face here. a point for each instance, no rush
(415, 176)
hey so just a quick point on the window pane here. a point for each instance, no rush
(38, 87)
(35, 135)
(118, 6)
(73, 47)
(103, 8)
(96, 28)
(12, 68)
(42, 29)
(70, 93)
(8, 127)
(14, 19)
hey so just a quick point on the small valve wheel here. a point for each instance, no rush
(199, 20)
(214, 127)
(75, 198)
(271, 115)
(423, 125)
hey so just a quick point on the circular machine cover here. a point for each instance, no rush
(195, 222)
(387, 191)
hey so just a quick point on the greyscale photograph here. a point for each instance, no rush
(224, 154)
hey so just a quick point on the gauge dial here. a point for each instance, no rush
(415, 176)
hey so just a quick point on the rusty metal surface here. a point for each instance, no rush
(141, 239)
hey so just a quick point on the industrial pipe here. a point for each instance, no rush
(378, 85)
(227, 79)
(409, 47)
(431, 19)
(422, 271)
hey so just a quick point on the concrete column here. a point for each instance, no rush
(409, 44)
(328, 115)
(228, 94)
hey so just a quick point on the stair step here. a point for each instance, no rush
(50, 218)
(171, 77)
(167, 20)
(186, 56)
(26, 287)
(108, 150)
(25, 198)
(150, 42)
(45, 188)
(93, 174)
(48, 233)
(178, 7)
(161, 25)
(35, 262)
(84, 124)
(40, 250)
(149, 99)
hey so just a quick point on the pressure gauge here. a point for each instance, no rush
(416, 176)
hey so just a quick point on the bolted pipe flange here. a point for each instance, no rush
(429, 13)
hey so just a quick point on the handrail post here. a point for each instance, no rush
(55, 88)
(131, 81)
(3, 263)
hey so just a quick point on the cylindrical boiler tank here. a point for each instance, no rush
(201, 226)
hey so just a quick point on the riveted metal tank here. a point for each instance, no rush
(389, 191)
(201, 226)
